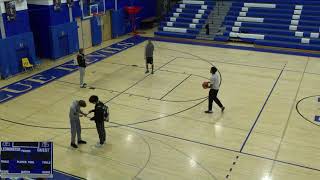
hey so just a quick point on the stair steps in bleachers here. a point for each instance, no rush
(215, 21)
(186, 19)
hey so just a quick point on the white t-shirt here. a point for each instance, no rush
(215, 81)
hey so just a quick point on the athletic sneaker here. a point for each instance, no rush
(84, 85)
(99, 145)
(74, 145)
(147, 71)
(82, 142)
(152, 72)
(209, 112)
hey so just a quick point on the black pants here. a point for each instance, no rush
(149, 60)
(101, 131)
(213, 97)
(207, 29)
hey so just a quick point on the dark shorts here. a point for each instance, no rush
(149, 60)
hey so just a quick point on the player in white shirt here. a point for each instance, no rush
(214, 89)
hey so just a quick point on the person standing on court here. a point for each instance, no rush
(74, 115)
(214, 86)
(82, 67)
(99, 119)
(149, 56)
(207, 29)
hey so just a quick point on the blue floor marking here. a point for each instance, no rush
(255, 122)
(317, 118)
(33, 82)
(59, 175)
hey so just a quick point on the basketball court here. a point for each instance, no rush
(158, 127)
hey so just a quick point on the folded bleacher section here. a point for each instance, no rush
(186, 19)
(280, 23)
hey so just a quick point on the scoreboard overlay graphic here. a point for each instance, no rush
(26, 159)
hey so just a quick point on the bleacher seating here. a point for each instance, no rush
(186, 19)
(280, 23)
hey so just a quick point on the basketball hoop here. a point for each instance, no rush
(132, 12)
(97, 14)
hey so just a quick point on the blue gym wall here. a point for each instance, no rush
(76, 9)
(52, 27)
(18, 43)
(17, 26)
(149, 7)
(44, 16)
(20, 24)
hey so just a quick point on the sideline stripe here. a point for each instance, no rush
(238, 47)
(255, 122)
(33, 82)
(60, 175)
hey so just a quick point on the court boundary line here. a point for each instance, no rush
(176, 115)
(131, 94)
(176, 86)
(245, 48)
(182, 153)
(261, 110)
(195, 142)
(290, 115)
(136, 83)
(217, 147)
(68, 174)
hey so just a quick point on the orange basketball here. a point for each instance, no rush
(205, 85)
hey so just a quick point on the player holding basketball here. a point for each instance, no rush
(214, 86)
(149, 56)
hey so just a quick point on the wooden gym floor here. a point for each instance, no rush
(159, 130)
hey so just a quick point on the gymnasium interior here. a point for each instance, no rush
(266, 53)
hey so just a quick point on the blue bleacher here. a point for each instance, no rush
(282, 3)
(177, 35)
(315, 17)
(276, 11)
(286, 23)
(178, 24)
(188, 30)
(188, 15)
(186, 19)
(192, 11)
(193, 6)
(283, 44)
(247, 25)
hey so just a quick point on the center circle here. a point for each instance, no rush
(309, 108)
